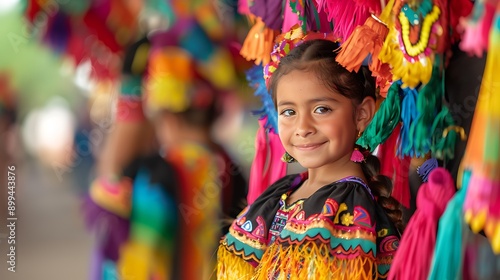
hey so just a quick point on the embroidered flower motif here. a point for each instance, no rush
(347, 219)
(383, 232)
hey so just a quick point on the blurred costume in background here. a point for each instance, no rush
(164, 186)
(178, 197)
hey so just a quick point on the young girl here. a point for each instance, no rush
(329, 222)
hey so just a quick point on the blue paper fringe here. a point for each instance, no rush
(256, 80)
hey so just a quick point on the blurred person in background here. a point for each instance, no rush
(161, 215)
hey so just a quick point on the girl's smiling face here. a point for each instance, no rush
(317, 126)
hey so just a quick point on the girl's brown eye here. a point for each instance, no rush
(287, 112)
(322, 110)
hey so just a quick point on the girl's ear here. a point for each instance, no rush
(364, 113)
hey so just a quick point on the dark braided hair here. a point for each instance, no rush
(381, 187)
(318, 56)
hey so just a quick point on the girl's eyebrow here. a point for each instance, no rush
(285, 103)
(323, 99)
(313, 100)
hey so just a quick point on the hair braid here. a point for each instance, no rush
(381, 187)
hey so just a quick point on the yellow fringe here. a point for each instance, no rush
(231, 267)
(410, 73)
(312, 261)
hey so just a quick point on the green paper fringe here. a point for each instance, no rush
(443, 145)
(384, 121)
(429, 101)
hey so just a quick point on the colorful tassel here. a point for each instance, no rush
(412, 259)
(429, 101)
(449, 253)
(384, 122)
(409, 115)
(357, 156)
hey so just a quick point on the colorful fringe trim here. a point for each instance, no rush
(231, 266)
(312, 261)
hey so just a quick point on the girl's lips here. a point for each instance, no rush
(308, 147)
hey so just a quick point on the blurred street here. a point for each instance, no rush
(51, 241)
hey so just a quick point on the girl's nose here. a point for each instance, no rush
(304, 126)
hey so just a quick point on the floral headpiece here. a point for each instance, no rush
(287, 42)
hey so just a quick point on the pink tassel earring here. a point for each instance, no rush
(357, 155)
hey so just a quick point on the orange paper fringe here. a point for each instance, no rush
(365, 39)
(259, 42)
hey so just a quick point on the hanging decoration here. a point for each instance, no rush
(482, 154)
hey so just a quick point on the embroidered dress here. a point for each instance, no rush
(330, 235)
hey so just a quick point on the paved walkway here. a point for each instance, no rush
(51, 240)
